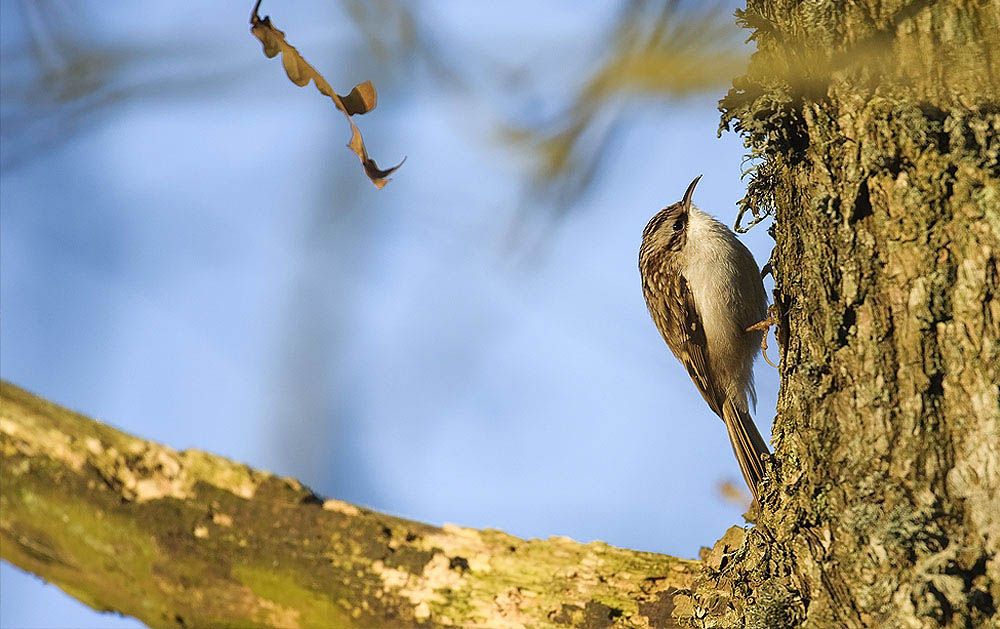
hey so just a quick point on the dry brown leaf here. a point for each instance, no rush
(360, 100)
(378, 176)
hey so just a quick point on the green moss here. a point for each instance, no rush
(311, 609)
(79, 535)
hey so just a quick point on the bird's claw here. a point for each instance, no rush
(764, 326)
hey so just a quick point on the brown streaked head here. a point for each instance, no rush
(667, 230)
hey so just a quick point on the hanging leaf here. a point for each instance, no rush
(361, 99)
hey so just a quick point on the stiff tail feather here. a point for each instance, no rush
(748, 445)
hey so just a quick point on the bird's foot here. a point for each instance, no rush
(764, 326)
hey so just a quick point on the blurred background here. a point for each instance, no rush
(188, 252)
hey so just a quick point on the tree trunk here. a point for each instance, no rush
(877, 137)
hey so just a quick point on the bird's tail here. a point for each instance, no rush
(748, 445)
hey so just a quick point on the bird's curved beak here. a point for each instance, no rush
(686, 201)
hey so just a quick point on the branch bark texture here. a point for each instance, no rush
(188, 539)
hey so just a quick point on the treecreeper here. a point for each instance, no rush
(705, 294)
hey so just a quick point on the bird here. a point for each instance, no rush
(704, 290)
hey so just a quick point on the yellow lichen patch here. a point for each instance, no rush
(93, 446)
(222, 519)
(278, 616)
(421, 589)
(422, 611)
(391, 577)
(437, 575)
(507, 609)
(457, 541)
(141, 472)
(341, 507)
(30, 439)
(236, 479)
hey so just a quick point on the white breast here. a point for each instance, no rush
(725, 283)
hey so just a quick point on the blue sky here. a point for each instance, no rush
(210, 269)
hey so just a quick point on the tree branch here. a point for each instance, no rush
(182, 539)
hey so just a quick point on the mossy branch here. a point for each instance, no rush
(188, 539)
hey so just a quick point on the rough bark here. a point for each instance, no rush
(876, 131)
(188, 539)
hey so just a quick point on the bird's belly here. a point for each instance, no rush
(717, 302)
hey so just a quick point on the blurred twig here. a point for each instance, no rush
(657, 49)
(58, 81)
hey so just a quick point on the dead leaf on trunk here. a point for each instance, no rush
(360, 100)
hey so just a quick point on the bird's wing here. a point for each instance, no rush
(685, 335)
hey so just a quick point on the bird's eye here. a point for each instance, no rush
(678, 225)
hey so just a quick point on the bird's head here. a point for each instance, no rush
(667, 230)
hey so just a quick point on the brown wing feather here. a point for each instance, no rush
(677, 318)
